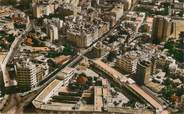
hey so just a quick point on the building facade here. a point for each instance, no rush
(143, 72)
(127, 63)
(26, 76)
(99, 50)
(52, 32)
(161, 28)
(43, 10)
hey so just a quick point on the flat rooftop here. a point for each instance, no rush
(47, 90)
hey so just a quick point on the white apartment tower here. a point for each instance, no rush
(52, 33)
(26, 75)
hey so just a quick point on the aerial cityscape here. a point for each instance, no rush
(92, 56)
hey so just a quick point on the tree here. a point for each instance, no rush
(177, 54)
(111, 56)
(156, 41)
(68, 50)
(10, 38)
(167, 81)
(112, 39)
(179, 91)
(169, 45)
(168, 91)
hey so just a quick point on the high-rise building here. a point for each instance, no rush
(26, 75)
(40, 73)
(37, 11)
(52, 33)
(161, 28)
(143, 72)
(54, 21)
(127, 63)
(40, 10)
(99, 50)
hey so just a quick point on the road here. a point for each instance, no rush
(11, 53)
(132, 86)
(9, 83)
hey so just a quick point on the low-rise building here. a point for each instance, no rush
(109, 18)
(67, 72)
(136, 18)
(69, 9)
